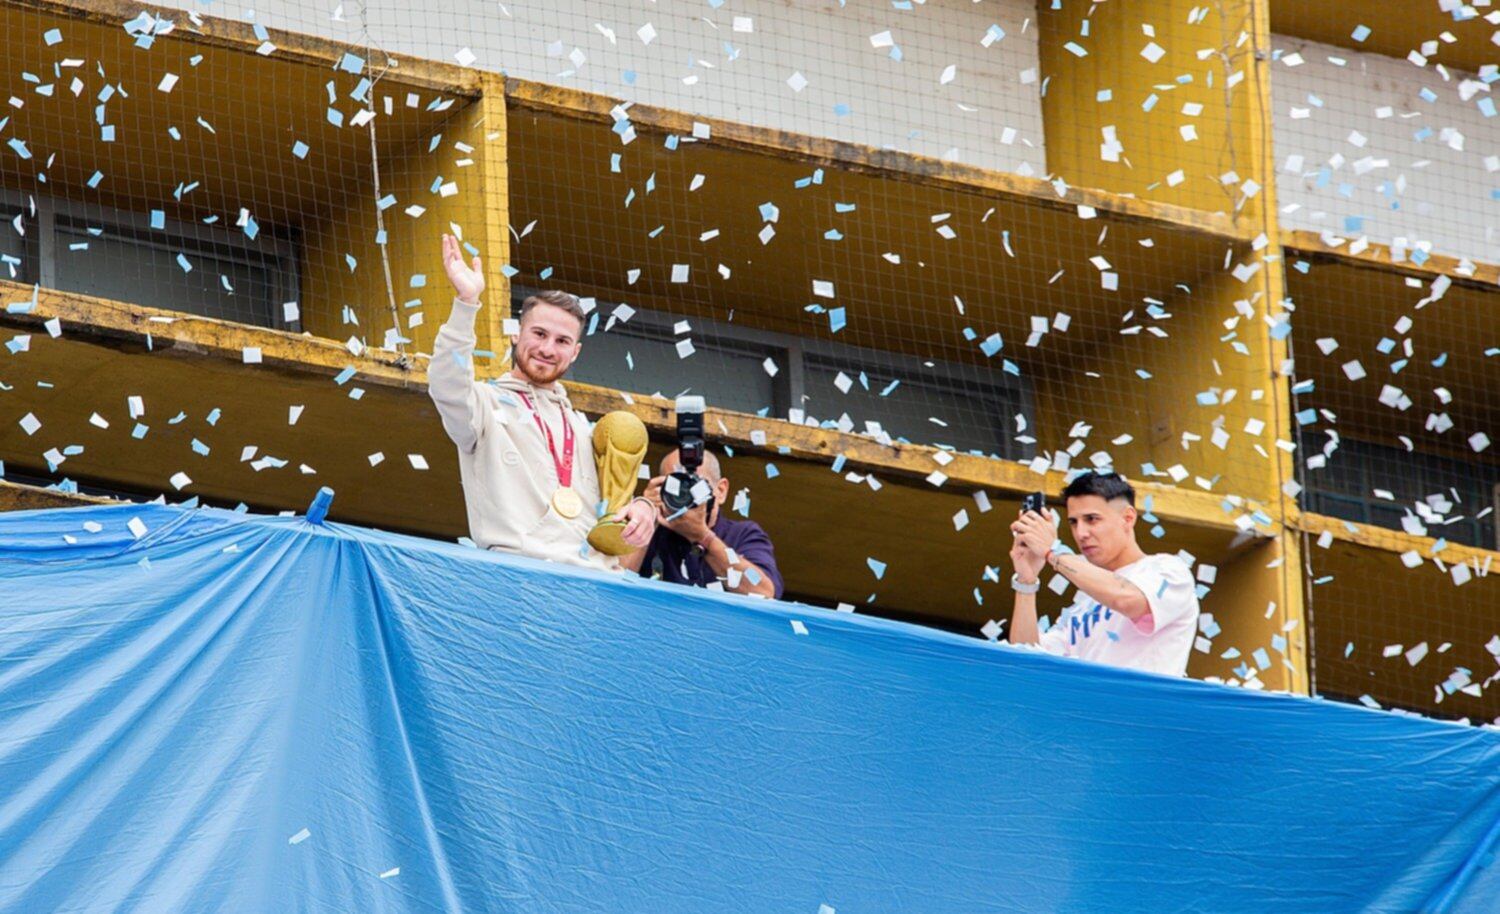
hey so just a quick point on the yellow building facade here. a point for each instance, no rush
(1299, 601)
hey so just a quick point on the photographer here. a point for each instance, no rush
(698, 546)
(1132, 609)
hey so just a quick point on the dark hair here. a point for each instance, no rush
(557, 299)
(1107, 486)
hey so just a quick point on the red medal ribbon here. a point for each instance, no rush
(564, 466)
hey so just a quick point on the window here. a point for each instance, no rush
(17, 242)
(728, 368)
(1458, 498)
(642, 356)
(124, 256)
(121, 265)
(906, 396)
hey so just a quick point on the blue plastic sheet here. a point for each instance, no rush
(216, 712)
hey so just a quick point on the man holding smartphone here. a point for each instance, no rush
(1132, 609)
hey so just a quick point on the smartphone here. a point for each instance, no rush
(1036, 501)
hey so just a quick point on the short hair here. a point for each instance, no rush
(1107, 486)
(557, 298)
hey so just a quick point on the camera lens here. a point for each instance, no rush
(677, 491)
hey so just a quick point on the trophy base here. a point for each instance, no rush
(608, 536)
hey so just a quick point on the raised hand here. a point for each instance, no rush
(468, 281)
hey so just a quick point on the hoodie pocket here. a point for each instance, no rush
(554, 536)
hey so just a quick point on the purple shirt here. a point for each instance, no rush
(680, 566)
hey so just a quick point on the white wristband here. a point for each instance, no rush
(1018, 587)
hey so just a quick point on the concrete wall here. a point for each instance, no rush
(702, 60)
(1424, 190)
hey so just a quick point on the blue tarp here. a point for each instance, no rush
(218, 712)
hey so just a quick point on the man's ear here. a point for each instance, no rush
(1130, 516)
(721, 490)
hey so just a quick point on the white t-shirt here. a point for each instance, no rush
(1157, 642)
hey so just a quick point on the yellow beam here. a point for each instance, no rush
(1271, 283)
(1088, 49)
(209, 337)
(240, 36)
(15, 496)
(1396, 28)
(1388, 540)
(493, 141)
(860, 159)
(1373, 254)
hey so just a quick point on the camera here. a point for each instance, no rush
(1036, 501)
(684, 488)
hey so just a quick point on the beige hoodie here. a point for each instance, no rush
(507, 471)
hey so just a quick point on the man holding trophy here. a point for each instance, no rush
(527, 489)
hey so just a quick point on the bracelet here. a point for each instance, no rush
(656, 515)
(1018, 587)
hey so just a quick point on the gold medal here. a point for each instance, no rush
(566, 502)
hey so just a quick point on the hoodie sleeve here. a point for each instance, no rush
(450, 379)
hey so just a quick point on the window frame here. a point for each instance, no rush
(274, 248)
(794, 356)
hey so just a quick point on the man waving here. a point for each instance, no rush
(524, 457)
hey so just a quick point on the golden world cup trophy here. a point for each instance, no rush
(620, 442)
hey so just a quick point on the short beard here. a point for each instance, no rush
(539, 381)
